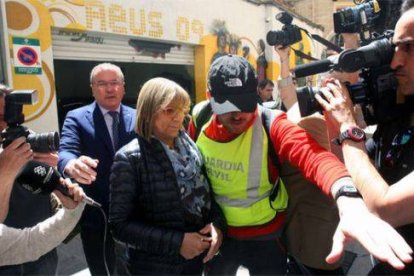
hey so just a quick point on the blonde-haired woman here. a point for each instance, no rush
(161, 206)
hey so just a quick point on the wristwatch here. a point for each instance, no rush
(285, 82)
(347, 190)
(353, 133)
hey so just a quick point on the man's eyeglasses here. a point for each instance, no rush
(398, 145)
(111, 84)
(172, 112)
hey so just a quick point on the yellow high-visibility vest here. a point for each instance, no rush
(238, 173)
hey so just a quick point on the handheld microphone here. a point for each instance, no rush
(38, 177)
(313, 68)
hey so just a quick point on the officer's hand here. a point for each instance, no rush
(377, 236)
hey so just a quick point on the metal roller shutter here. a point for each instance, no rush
(112, 48)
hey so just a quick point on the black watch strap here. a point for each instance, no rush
(347, 190)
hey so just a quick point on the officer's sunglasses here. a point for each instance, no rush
(398, 145)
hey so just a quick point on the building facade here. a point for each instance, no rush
(51, 46)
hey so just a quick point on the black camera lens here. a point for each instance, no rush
(374, 54)
(347, 21)
(44, 142)
(306, 100)
(290, 34)
(308, 105)
(275, 38)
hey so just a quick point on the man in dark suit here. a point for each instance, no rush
(90, 137)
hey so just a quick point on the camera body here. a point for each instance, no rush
(358, 19)
(376, 93)
(289, 34)
(14, 117)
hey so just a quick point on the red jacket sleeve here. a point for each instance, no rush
(191, 130)
(294, 144)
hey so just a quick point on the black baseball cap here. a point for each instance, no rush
(232, 83)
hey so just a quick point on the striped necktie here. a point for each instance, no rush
(115, 126)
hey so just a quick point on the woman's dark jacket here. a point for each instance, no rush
(146, 212)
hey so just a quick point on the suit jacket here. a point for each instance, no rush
(85, 132)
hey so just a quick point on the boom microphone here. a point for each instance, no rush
(313, 68)
(38, 177)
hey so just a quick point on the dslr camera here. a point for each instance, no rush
(14, 117)
(289, 34)
(376, 93)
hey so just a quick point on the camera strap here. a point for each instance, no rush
(303, 55)
(326, 43)
(321, 40)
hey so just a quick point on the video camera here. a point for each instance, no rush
(368, 18)
(377, 91)
(14, 117)
(289, 34)
(359, 19)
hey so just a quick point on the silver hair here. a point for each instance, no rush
(106, 67)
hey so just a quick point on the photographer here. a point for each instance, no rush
(392, 143)
(27, 209)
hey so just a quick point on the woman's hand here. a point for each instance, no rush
(193, 245)
(216, 239)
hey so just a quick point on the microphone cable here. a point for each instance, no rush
(99, 207)
(104, 240)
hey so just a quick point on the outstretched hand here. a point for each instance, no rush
(377, 236)
(82, 169)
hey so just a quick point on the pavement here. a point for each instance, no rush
(362, 264)
(72, 260)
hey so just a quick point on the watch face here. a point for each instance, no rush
(350, 189)
(356, 134)
(353, 133)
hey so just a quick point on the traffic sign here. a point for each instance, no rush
(26, 54)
